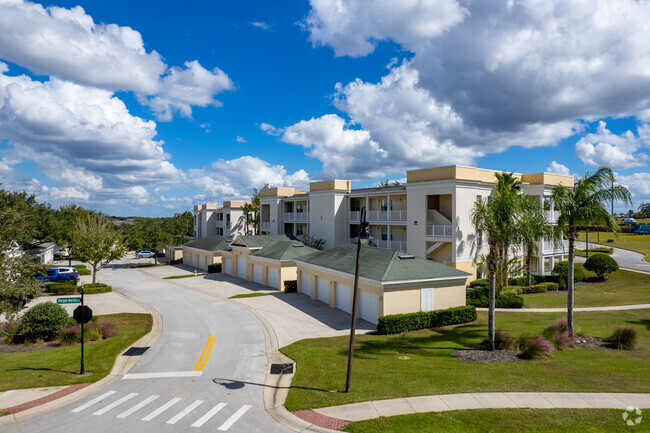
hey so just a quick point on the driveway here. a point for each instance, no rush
(625, 258)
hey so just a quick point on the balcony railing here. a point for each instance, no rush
(439, 230)
(265, 225)
(296, 216)
(393, 245)
(219, 223)
(398, 215)
(378, 215)
(551, 247)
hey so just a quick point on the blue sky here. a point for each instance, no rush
(146, 108)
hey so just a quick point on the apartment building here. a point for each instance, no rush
(212, 221)
(428, 217)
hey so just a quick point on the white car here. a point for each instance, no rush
(146, 254)
(629, 220)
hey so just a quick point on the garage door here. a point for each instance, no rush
(323, 293)
(241, 267)
(305, 283)
(369, 308)
(227, 266)
(344, 297)
(257, 273)
(274, 278)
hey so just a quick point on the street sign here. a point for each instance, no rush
(68, 300)
(82, 314)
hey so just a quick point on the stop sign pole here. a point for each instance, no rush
(82, 331)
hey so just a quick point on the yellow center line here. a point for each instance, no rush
(207, 355)
(207, 346)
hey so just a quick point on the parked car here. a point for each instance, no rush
(59, 274)
(629, 220)
(145, 253)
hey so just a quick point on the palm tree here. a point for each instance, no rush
(247, 208)
(581, 205)
(533, 226)
(509, 187)
(496, 217)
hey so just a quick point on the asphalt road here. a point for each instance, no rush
(225, 396)
(624, 258)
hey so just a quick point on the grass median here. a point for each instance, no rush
(379, 373)
(60, 365)
(640, 243)
(620, 288)
(503, 420)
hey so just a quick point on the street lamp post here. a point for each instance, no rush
(363, 235)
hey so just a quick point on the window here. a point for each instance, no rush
(299, 230)
(384, 234)
(384, 205)
(478, 199)
(298, 207)
(355, 205)
(480, 271)
(515, 269)
(479, 239)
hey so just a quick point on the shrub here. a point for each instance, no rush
(558, 333)
(168, 262)
(108, 330)
(561, 272)
(8, 331)
(42, 322)
(61, 288)
(533, 348)
(69, 334)
(512, 290)
(92, 332)
(539, 279)
(291, 286)
(480, 283)
(517, 281)
(540, 288)
(509, 301)
(601, 264)
(623, 337)
(90, 289)
(398, 323)
(82, 269)
(214, 268)
(502, 340)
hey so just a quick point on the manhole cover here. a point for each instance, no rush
(281, 368)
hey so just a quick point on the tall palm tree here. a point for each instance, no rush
(581, 205)
(496, 216)
(533, 226)
(247, 208)
(509, 187)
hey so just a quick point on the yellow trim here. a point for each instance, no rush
(206, 353)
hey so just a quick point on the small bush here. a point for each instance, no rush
(479, 297)
(92, 332)
(168, 262)
(42, 322)
(214, 268)
(539, 279)
(533, 348)
(9, 331)
(540, 288)
(399, 323)
(601, 264)
(517, 281)
(509, 301)
(82, 269)
(69, 335)
(290, 286)
(512, 290)
(61, 288)
(480, 283)
(558, 333)
(624, 337)
(502, 340)
(108, 330)
(90, 289)
(561, 272)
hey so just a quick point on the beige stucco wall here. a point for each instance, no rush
(468, 267)
(204, 258)
(287, 270)
(330, 185)
(548, 179)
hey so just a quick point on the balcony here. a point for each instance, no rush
(394, 245)
(552, 215)
(219, 223)
(439, 230)
(551, 247)
(265, 225)
(398, 215)
(296, 216)
(378, 215)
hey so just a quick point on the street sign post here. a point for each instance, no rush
(82, 314)
(68, 300)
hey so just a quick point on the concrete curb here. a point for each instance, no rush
(121, 366)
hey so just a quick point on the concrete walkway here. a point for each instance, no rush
(563, 309)
(484, 400)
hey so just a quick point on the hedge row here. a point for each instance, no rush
(214, 268)
(537, 288)
(479, 296)
(61, 287)
(82, 269)
(517, 281)
(399, 323)
(90, 289)
(290, 286)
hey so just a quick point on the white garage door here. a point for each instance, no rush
(305, 283)
(257, 273)
(323, 292)
(227, 266)
(190, 259)
(344, 297)
(274, 278)
(426, 299)
(369, 308)
(241, 267)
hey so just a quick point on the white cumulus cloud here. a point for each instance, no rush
(614, 151)
(557, 168)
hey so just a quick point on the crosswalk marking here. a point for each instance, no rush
(233, 419)
(137, 406)
(185, 411)
(93, 401)
(115, 403)
(212, 412)
(161, 409)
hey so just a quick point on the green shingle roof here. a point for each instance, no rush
(209, 244)
(380, 264)
(261, 241)
(284, 250)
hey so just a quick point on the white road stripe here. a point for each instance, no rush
(127, 397)
(161, 409)
(138, 406)
(93, 401)
(162, 375)
(185, 411)
(233, 419)
(212, 412)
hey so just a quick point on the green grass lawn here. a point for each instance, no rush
(249, 295)
(640, 243)
(503, 420)
(60, 366)
(379, 374)
(621, 288)
(176, 277)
